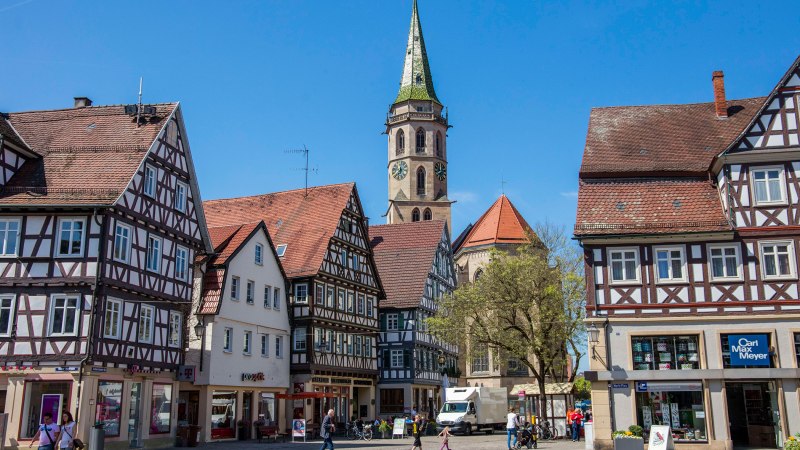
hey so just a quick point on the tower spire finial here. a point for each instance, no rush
(416, 82)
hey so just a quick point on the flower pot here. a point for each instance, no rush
(628, 444)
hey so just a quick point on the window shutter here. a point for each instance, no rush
(386, 358)
(400, 321)
(407, 359)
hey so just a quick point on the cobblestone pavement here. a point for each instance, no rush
(476, 442)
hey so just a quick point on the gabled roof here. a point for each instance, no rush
(227, 240)
(9, 134)
(649, 206)
(417, 82)
(500, 224)
(88, 155)
(404, 254)
(304, 223)
(662, 140)
(213, 287)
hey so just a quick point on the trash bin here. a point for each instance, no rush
(97, 437)
(194, 435)
(182, 436)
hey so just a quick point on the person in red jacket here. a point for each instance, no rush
(576, 417)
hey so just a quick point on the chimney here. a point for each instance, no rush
(82, 102)
(720, 105)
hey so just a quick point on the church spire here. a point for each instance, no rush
(417, 83)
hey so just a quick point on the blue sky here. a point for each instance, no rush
(519, 78)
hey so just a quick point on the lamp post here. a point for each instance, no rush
(594, 339)
(199, 331)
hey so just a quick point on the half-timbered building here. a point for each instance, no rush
(415, 262)
(688, 216)
(100, 220)
(321, 237)
(241, 350)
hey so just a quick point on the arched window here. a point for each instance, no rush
(438, 144)
(415, 215)
(427, 214)
(400, 140)
(420, 141)
(477, 275)
(421, 181)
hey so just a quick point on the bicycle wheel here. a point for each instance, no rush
(351, 434)
(546, 434)
(368, 435)
(555, 433)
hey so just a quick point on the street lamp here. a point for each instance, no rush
(199, 331)
(594, 339)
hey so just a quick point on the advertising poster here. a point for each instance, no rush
(298, 428)
(647, 417)
(399, 428)
(51, 403)
(676, 416)
(665, 415)
(661, 438)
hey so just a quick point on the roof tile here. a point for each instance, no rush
(500, 224)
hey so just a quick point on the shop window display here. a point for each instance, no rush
(223, 415)
(161, 407)
(266, 408)
(109, 406)
(682, 410)
(665, 353)
(41, 397)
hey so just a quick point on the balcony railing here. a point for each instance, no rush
(415, 115)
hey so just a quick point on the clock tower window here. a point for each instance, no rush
(421, 181)
(420, 141)
(438, 144)
(415, 215)
(401, 142)
(427, 215)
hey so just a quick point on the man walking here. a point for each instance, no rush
(327, 430)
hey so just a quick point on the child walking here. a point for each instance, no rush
(445, 435)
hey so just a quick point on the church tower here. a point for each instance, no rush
(417, 132)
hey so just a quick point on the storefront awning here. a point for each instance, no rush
(305, 395)
(549, 389)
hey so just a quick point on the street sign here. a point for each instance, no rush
(641, 386)
(622, 385)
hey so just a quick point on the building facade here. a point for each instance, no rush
(415, 262)
(101, 219)
(688, 218)
(242, 352)
(321, 238)
(417, 131)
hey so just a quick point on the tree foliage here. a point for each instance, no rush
(528, 305)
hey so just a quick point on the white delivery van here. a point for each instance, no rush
(469, 409)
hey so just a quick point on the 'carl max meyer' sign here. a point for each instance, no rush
(749, 350)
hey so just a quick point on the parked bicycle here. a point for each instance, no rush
(546, 431)
(354, 432)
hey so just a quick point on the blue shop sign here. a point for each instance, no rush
(749, 350)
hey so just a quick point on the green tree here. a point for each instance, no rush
(527, 305)
(583, 389)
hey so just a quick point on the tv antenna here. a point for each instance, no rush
(138, 109)
(304, 151)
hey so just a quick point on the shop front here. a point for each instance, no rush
(348, 397)
(525, 398)
(678, 405)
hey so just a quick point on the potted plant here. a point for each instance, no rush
(384, 428)
(630, 439)
(792, 443)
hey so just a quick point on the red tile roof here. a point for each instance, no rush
(227, 239)
(661, 139)
(305, 223)
(404, 254)
(213, 284)
(500, 224)
(649, 206)
(9, 134)
(89, 155)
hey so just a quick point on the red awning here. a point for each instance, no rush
(304, 395)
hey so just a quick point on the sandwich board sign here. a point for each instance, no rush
(661, 438)
(399, 428)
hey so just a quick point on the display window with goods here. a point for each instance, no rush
(108, 406)
(161, 409)
(665, 352)
(41, 397)
(679, 405)
(223, 415)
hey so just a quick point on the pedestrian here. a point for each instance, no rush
(576, 417)
(46, 433)
(67, 434)
(416, 432)
(512, 424)
(445, 435)
(326, 430)
(413, 410)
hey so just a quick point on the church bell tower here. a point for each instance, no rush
(417, 131)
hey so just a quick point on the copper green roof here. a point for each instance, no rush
(417, 83)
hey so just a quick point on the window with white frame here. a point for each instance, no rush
(279, 346)
(396, 361)
(9, 237)
(235, 288)
(259, 254)
(330, 293)
(724, 261)
(71, 234)
(122, 242)
(368, 347)
(350, 301)
(281, 250)
(301, 293)
(180, 196)
(146, 323)
(319, 294)
(251, 291)
(149, 187)
(153, 253)
(6, 314)
(181, 263)
(267, 296)
(370, 303)
(360, 305)
(227, 340)
(768, 185)
(777, 259)
(391, 322)
(624, 264)
(276, 299)
(175, 328)
(359, 343)
(265, 345)
(355, 262)
(64, 313)
(670, 263)
(112, 320)
(299, 339)
(247, 343)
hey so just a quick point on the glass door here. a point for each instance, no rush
(134, 416)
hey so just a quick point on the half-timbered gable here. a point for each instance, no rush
(13, 151)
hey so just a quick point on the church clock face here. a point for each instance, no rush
(399, 170)
(440, 170)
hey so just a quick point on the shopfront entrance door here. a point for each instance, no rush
(752, 414)
(135, 414)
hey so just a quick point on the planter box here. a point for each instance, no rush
(628, 444)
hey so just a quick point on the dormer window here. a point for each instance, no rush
(419, 78)
(281, 250)
(768, 185)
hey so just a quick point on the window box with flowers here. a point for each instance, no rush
(792, 443)
(630, 439)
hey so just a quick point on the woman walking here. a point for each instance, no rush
(511, 426)
(66, 436)
(416, 432)
(445, 435)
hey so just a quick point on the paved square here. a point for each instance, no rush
(476, 442)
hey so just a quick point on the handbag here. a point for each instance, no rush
(77, 443)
